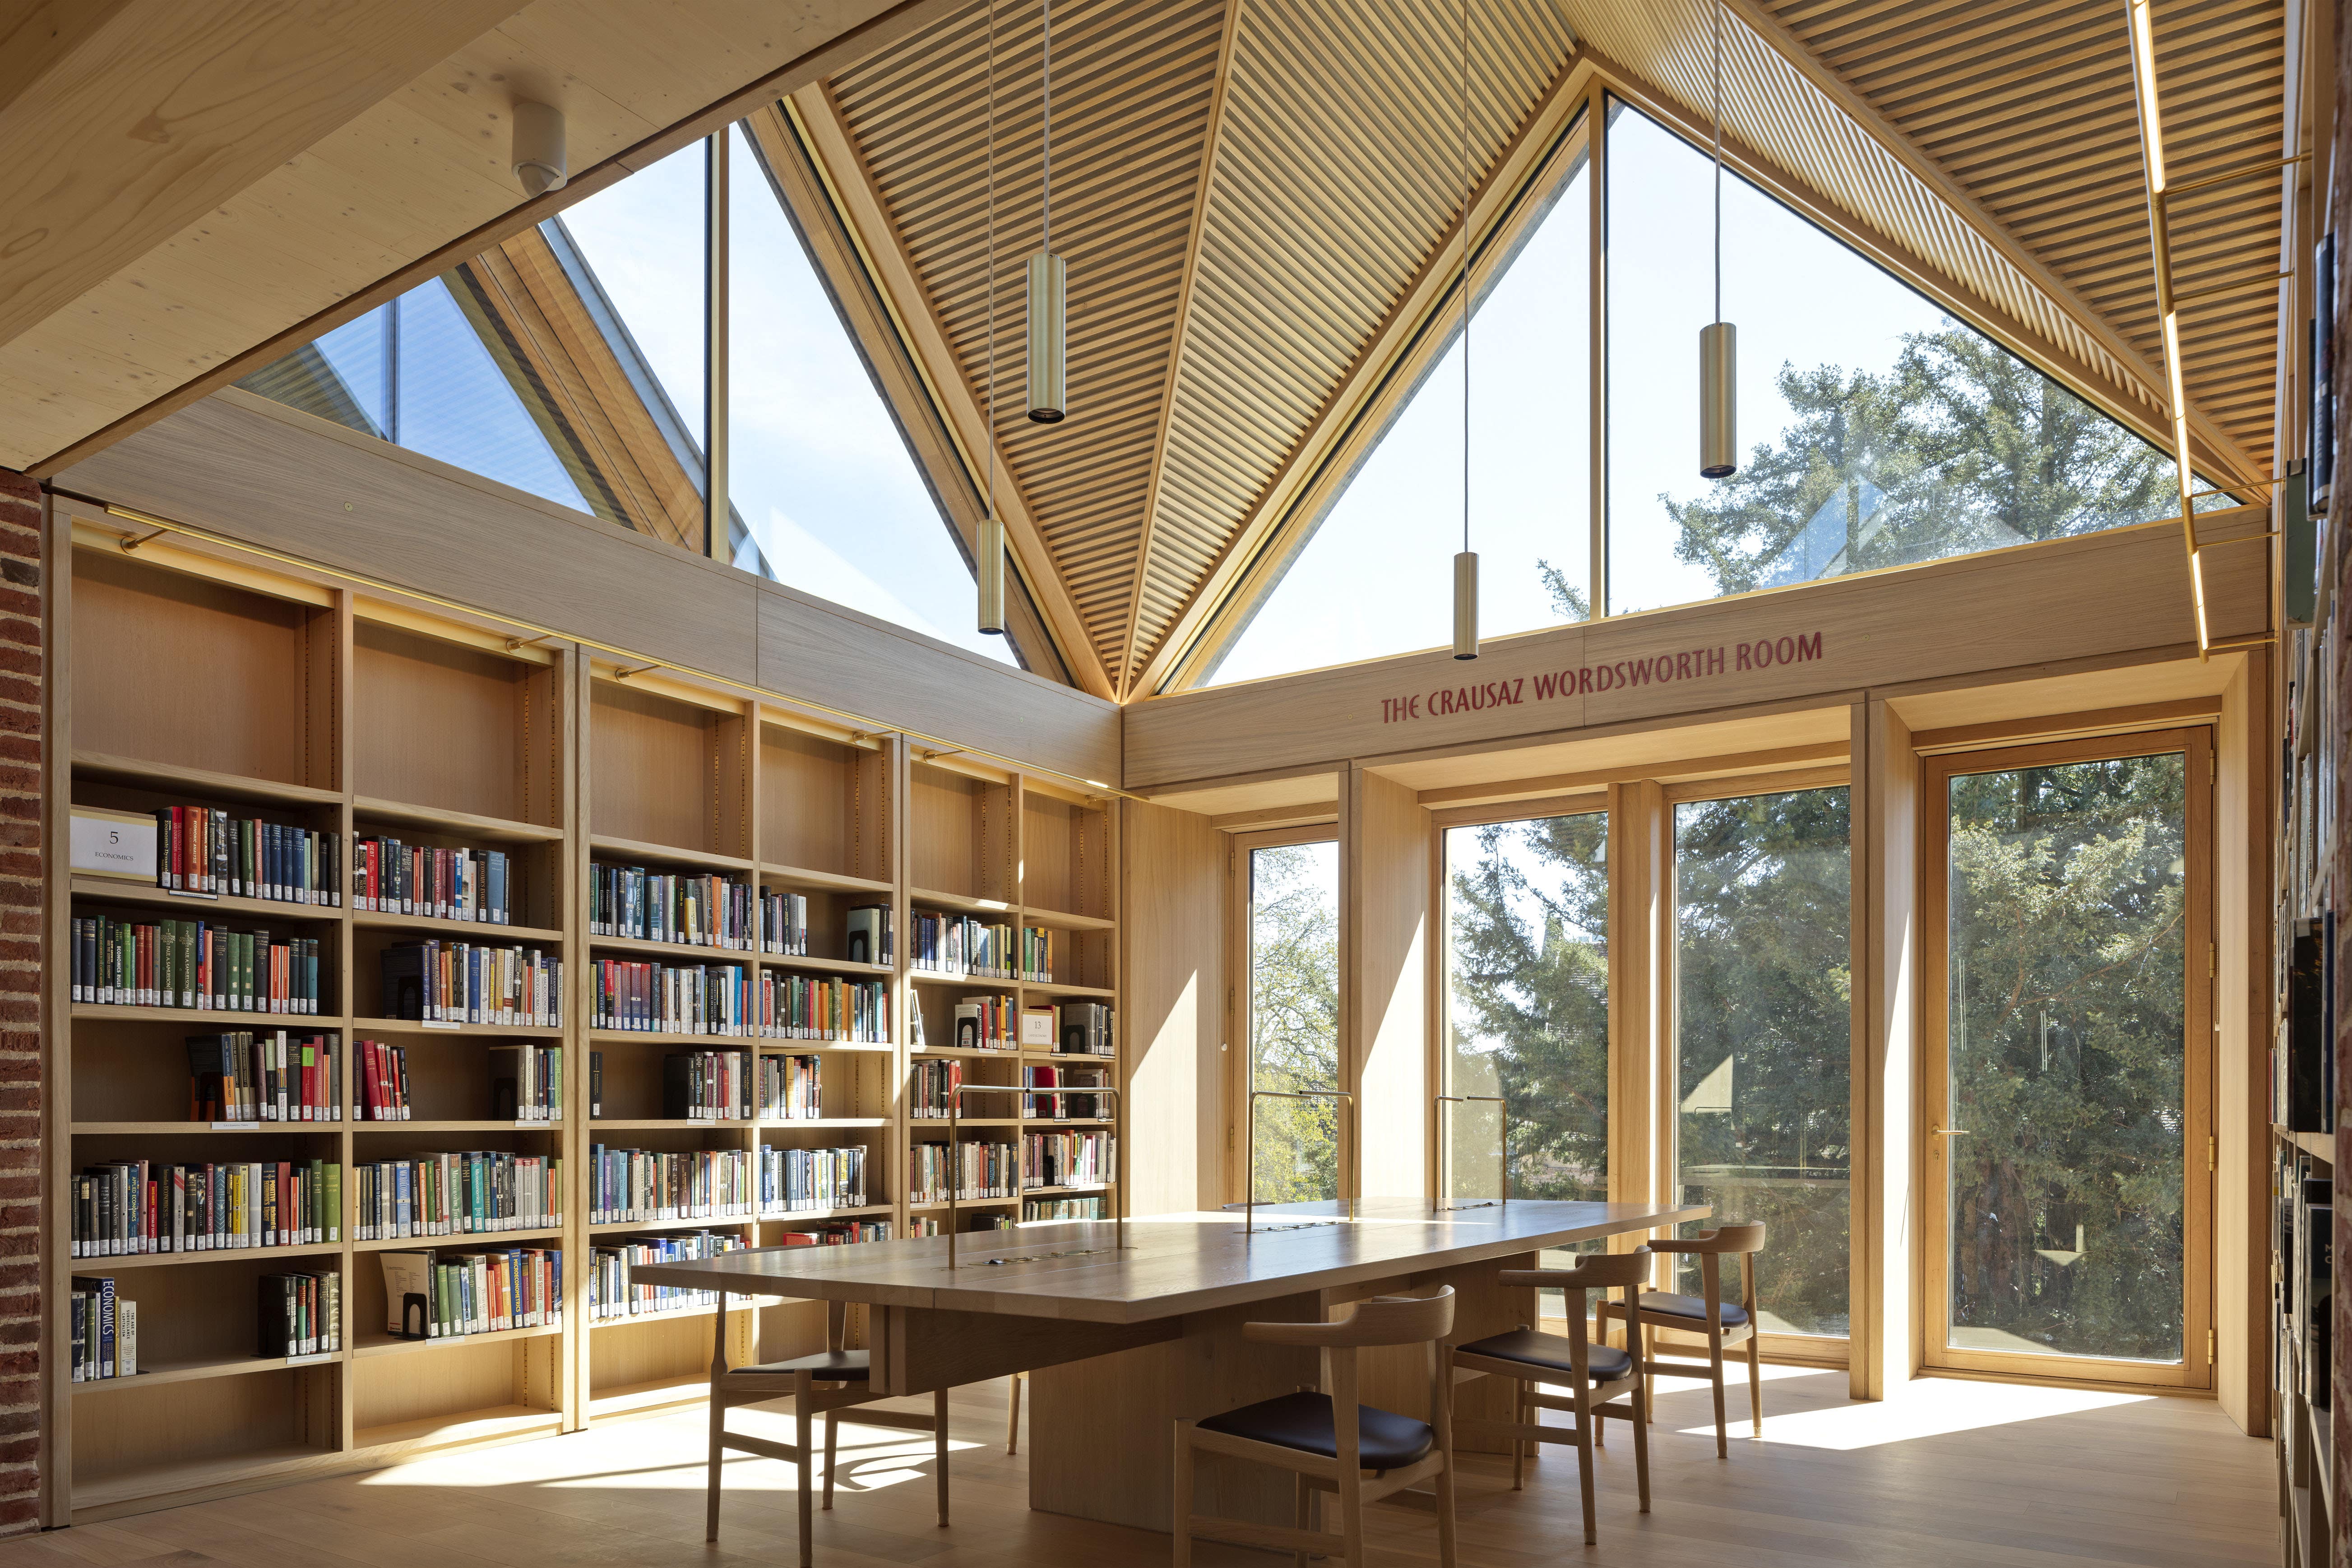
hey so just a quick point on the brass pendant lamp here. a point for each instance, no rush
(1048, 278)
(990, 562)
(1718, 396)
(1465, 562)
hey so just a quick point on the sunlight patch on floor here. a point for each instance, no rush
(1928, 1408)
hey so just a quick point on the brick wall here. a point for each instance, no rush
(20, 1001)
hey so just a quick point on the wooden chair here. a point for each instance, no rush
(1723, 1322)
(1327, 1440)
(1593, 1375)
(827, 1382)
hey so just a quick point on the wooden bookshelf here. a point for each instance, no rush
(305, 703)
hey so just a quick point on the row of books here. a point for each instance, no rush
(1057, 1096)
(435, 1295)
(1064, 1208)
(642, 1185)
(931, 1083)
(250, 1076)
(691, 908)
(1067, 1159)
(2304, 1206)
(301, 1315)
(128, 1206)
(525, 1083)
(105, 1331)
(723, 1086)
(928, 1224)
(965, 944)
(1073, 1029)
(728, 999)
(192, 963)
(987, 1023)
(2302, 1052)
(470, 983)
(613, 1293)
(389, 876)
(204, 850)
(468, 1192)
(836, 1233)
(980, 1171)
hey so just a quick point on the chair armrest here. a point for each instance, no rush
(1676, 1247)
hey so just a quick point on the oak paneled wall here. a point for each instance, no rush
(268, 475)
(1384, 1020)
(1172, 1021)
(2102, 594)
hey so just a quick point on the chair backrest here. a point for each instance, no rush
(1593, 1271)
(1740, 1237)
(1381, 1320)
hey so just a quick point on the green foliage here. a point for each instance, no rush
(1529, 929)
(2068, 911)
(1763, 886)
(1973, 449)
(1295, 1018)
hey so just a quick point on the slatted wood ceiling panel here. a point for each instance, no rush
(1339, 171)
(1133, 87)
(2029, 103)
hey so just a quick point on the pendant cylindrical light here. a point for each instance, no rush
(991, 565)
(1466, 604)
(1048, 276)
(1465, 560)
(1048, 348)
(1719, 408)
(1719, 353)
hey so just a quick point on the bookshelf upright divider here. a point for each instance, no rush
(197, 679)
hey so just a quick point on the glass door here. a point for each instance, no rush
(1288, 1008)
(2067, 1103)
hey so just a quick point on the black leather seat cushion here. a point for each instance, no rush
(825, 1366)
(1692, 1307)
(1385, 1441)
(1603, 1364)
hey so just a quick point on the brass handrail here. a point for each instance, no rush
(1249, 1197)
(1503, 1117)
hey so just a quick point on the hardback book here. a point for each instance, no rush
(101, 1332)
(126, 1338)
(966, 1027)
(2319, 1304)
(2304, 1070)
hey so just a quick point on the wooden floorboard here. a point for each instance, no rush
(1968, 1475)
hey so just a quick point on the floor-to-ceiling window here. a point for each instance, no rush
(1290, 895)
(1763, 1037)
(2066, 1080)
(1527, 1008)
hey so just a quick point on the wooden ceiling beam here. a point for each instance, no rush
(958, 405)
(1127, 652)
(124, 122)
(836, 33)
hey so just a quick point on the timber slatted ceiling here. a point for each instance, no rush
(2028, 104)
(1133, 87)
(1339, 171)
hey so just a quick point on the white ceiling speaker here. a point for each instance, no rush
(539, 162)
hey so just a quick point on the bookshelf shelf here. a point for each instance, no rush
(966, 1051)
(219, 1129)
(1063, 920)
(605, 847)
(194, 1371)
(197, 906)
(346, 718)
(836, 881)
(375, 809)
(205, 782)
(470, 930)
(461, 1241)
(673, 1315)
(208, 1255)
(419, 1026)
(2320, 1145)
(941, 1207)
(846, 968)
(1096, 1187)
(958, 903)
(941, 1123)
(381, 1345)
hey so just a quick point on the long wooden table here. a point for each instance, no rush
(1120, 1343)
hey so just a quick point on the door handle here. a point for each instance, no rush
(1948, 1132)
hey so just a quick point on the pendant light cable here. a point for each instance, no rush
(1047, 99)
(1465, 273)
(1719, 160)
(991, 431)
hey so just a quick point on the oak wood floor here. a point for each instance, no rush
(1952, 1473)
